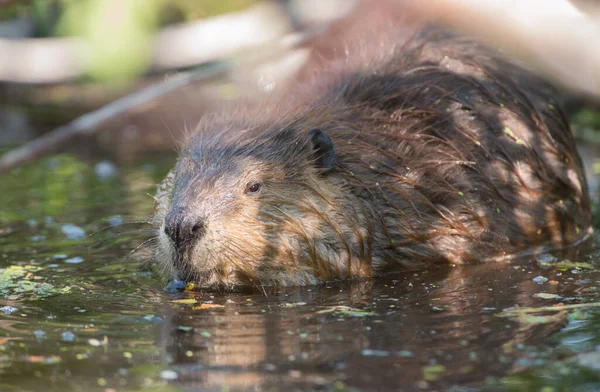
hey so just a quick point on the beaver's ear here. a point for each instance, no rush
(322, 149)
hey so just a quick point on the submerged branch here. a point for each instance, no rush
(90, 122)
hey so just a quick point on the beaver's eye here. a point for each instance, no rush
(254, 188)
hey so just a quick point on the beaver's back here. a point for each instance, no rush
(465, 155)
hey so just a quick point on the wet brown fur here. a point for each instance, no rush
(445, 153)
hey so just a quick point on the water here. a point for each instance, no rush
(79, 312)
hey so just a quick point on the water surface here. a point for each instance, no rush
(80, 312)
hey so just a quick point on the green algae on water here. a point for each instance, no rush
(20, 281)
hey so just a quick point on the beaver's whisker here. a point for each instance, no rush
(249, 272)
(239, 247)
(104, 228)
(147, 243)
(251, 276)
(128, 232)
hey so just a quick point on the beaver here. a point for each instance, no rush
(438, 151)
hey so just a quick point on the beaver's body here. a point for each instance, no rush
(442, 153)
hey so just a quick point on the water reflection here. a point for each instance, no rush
(444, 322)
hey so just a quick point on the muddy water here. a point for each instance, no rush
(79, 312)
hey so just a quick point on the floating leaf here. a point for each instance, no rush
(547, 296)
(292, 304)
(186, 301)
(44, 360)
(21, 280)
(529, 319)
(208, 306)
(433, 372)
(569, 265)
(347, 310)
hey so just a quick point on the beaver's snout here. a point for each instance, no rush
(183, 228)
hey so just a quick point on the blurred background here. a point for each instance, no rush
(61, 59)
(64, 58)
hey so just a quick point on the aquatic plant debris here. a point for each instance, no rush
(433, 372)
(566, 265)
(547, 261)
(547, 296)
(340, 310)
(579, 314)
(186, 301)
(526, 315)
(292, 304)
(50, 360)
(17, 281)
(529, 319)
(207, 306)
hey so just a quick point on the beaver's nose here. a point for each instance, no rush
(183, 228)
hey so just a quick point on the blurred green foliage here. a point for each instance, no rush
(195, 9)
(170, 11)
(15, 10)
(586, 123)
(118, 32)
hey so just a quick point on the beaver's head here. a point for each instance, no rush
(243, 207)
